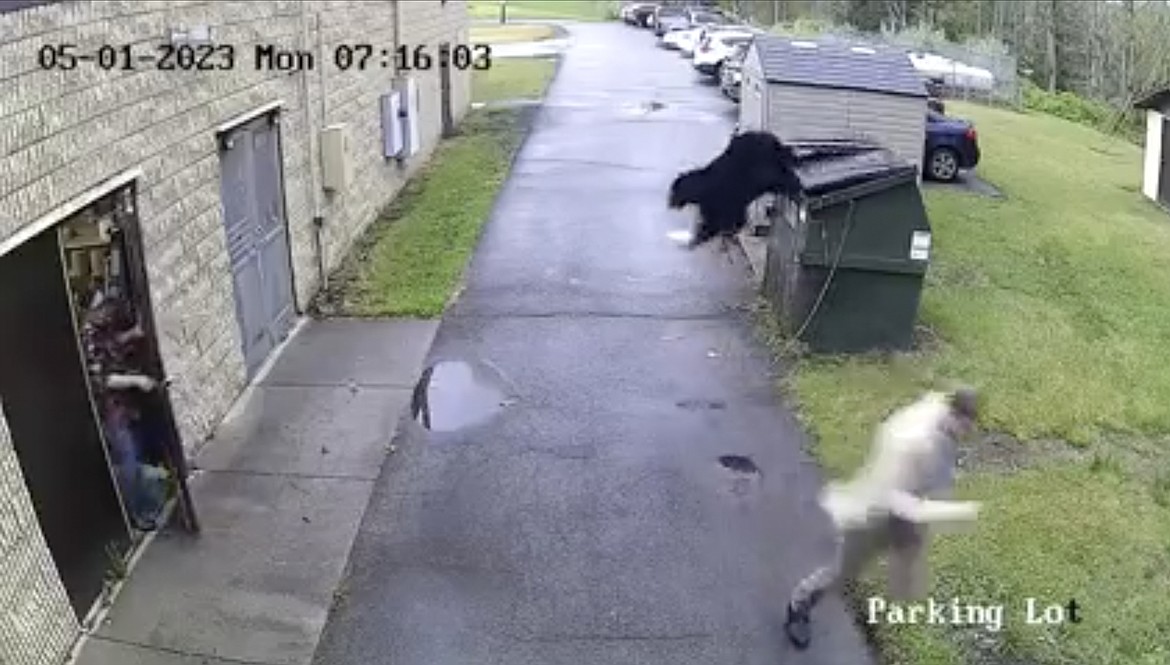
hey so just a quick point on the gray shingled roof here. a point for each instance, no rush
(1156, 100)
(838, 65)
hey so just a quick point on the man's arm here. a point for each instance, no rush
(931, 511)
(125, 381)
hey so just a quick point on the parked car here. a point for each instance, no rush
(639, 14)
(731, 75)
(716, 46)
(697, 19)
(690, 40)
(952, 145)
(668, 17)
(702, 17)
(675, 37)
(687, 40)
(934, 93)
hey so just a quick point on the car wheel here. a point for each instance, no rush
(943, 165)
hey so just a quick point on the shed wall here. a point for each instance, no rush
(1155, 123)
(804, 112)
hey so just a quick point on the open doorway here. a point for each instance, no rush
(1164, 179)
(84, 395)
(49, 413)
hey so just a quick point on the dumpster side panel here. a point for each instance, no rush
(865, 311)
(873, 300)
(882, 234)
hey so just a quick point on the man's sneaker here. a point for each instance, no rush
(797, 627)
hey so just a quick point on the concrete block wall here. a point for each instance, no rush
(354, 98)
(65, 132)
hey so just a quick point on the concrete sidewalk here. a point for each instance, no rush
(280, 491)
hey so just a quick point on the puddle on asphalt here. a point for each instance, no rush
(745, 476)
(452, 395)
(739, 464)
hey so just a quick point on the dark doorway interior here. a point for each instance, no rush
(84, 393)
(50, 415)
(1164, 183)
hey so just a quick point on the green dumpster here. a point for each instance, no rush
(847, 259)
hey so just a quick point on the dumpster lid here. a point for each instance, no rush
(828, 166)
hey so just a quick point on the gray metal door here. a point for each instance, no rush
(257, 236)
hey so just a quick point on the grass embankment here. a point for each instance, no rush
(574, 10)
(410, 261)
(511, 33)
(1055, 301)
(513, 78)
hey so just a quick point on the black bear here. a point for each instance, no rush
(752, 164)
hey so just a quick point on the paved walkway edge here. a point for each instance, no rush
(91, 644)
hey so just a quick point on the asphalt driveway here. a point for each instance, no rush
(566, 503)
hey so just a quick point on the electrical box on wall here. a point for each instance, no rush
(393, 134)
(336, 157)
(409, 113)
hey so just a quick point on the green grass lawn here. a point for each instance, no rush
(511, 33)
(1055, 301)
(576, 10)
(513, 78)
(412, 258)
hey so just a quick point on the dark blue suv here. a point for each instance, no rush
(952, 145)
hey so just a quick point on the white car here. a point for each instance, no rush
(952, 72)
(716, 47)
(685, 40)
(673, 38)
(690, 41)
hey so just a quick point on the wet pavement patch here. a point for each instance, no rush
(701, 404)
(644, 108)
(739, 464)
(453, 395)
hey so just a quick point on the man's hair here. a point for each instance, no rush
(965, 402)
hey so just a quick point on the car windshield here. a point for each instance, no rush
(736, 41)
(704, 17)
(671, 12)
